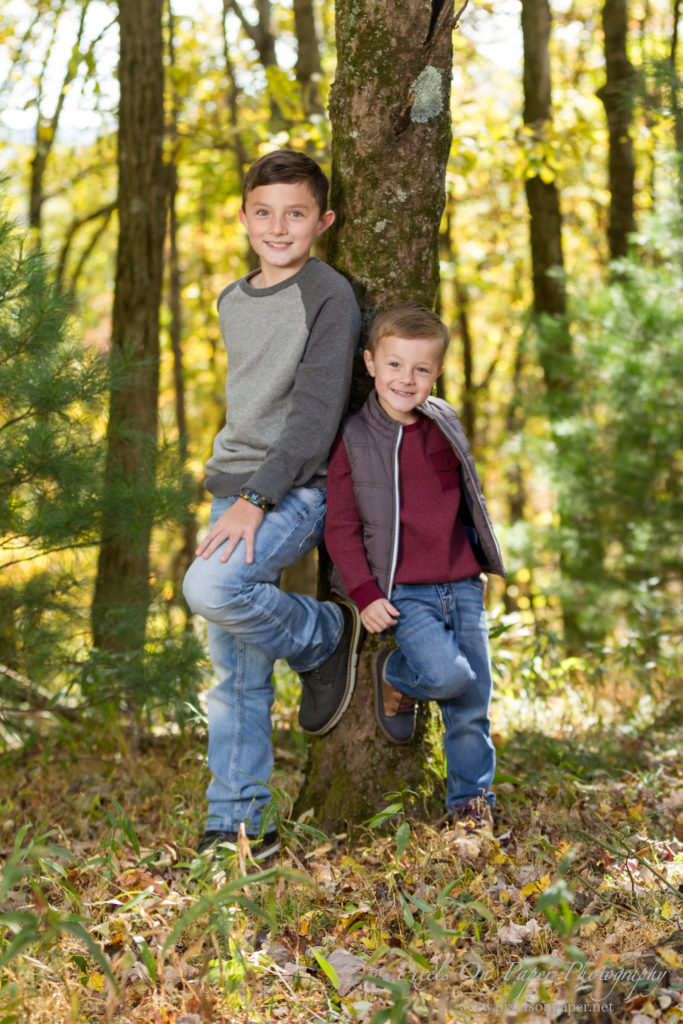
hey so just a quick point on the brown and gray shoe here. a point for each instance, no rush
(473, 816)
(396, 713)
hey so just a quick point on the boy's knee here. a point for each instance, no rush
(215, 600)
(454, 678)
(193, 588)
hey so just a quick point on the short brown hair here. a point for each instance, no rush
(288, 166)
(409, 320)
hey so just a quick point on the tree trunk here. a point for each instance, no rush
(581, 558)
(617, 97)
(122, 587)
(46, 130)
(676, 107)
(542, 197)
(308, 66)
(391, 134)
(262, 36)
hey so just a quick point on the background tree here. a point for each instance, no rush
(545, 221)
(121, 597)
(617, 97)
(51, 391)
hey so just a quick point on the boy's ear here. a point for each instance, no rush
(242, 217)
(369, 362)
(326, 221)
(440, 371)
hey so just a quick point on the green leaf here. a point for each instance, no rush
(384, 815)
(327, 969)
(402, 837)
(407, 914)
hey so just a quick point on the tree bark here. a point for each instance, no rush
(581, 558)
(617, 97)
(676, 106)
(121, 596)
(391, 134)
(308, 66)
(542, 196)
(46, 129)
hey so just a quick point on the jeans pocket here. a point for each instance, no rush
(312, 519)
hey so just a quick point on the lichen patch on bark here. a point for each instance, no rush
(428, 88)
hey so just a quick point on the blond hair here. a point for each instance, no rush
(408, 320)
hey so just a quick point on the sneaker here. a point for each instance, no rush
(396, 713)
(224, 844)
(327, 690)
(473, 816)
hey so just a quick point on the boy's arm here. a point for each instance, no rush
(318, 399)
(344, 542)
(344, 531)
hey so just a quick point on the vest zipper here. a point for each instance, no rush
(472, 490)
(397, 515)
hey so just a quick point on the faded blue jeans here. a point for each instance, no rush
(444, 655)
(251, 623)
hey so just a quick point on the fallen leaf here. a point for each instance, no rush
(514, 934)
(532, 888)
(671, 957)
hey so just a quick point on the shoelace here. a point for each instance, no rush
(406, 705)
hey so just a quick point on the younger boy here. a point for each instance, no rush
(290, 329)
(409, 532)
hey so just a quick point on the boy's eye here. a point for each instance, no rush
(297, 213)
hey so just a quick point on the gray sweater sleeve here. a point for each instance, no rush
(319, 395)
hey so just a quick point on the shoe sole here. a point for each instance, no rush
(379, 715)
(258, 854)
(351, 672)
(269, 851)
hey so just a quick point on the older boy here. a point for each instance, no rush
(409, 533)
(290, 328)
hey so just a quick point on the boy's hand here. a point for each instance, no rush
(379, 615)
(239, 522)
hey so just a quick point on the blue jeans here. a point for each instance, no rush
(251, 623)
(444, 656)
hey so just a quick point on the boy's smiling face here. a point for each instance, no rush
(404, 370)
(283, 221)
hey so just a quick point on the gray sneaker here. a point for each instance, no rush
(224, 844)
(327, 690)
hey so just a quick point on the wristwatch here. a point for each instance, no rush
(256, 499)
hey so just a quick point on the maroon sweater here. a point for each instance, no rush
(433, 545)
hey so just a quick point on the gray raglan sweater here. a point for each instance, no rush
(290, 354)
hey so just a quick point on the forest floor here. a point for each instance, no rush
(574, 911)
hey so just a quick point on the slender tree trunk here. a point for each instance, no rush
(515, 489)
(582, 557)
(617, 97)
(308, 66)
(468, 404)
(542, 196)
(46, 129)
(185, 554)
(390, 112)
(263, 37)
(122, 587)
(676, 105)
